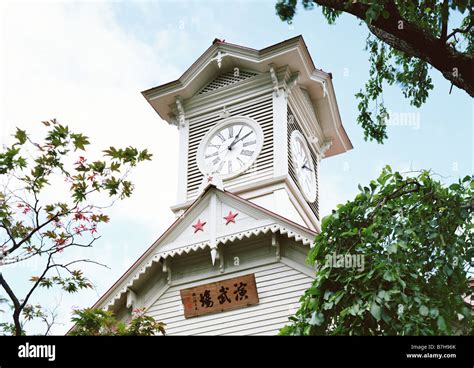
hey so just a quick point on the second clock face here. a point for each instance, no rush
(303, 165)
(231, 147)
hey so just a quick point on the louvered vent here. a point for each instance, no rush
(292, 126)
(261, 110)
(226, 79)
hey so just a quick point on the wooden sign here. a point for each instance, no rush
(219, 296)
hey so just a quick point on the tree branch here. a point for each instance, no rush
(26, 238)
(444, 21)
(460, 30)
(16, 304)
(36, 284)
(405, 36)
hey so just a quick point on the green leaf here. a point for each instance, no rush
(424, 310)
(441, 323)
(375, 311)
(20, 136)
(434, 312)
(79, 141)
(317, 318)
(392, 248)
(114, 166)
(144, 156)
(388, 275)
(327, 294)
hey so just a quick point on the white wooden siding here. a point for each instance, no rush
(279, 287)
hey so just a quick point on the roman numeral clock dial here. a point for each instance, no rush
(303, 166)
(231, 147)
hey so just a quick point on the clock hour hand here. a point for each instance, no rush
(306, 166)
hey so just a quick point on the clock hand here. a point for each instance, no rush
(235, 141)
(236, 137)
(306, 166)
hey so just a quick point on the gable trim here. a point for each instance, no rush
(151, 255)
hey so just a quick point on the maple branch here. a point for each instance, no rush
(15, 245)
(16, 304)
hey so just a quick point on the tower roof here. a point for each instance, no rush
(223, 56)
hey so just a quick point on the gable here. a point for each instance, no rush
(181, 238)
(220, 218)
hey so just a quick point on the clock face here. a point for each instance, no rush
(230, 147)
(304, 167)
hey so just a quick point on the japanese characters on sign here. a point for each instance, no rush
(219, 296)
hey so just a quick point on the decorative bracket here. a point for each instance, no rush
(291, 83)
(274, 79)
(181, 114)
(324, 147)
(224, 113)
(220, 55)
(221, 261)
(276, 244)
(131, 299)
(313, 139)
(214, 255)
(323, 86)
(167, 269)
(213, 228)
(217, 254)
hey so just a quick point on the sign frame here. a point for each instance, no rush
(220, 296)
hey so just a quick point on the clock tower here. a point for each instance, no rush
(256, 123)
(254, 126)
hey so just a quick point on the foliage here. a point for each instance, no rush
(416, 237)
(97, 322)
(407, 38)
(50, 202)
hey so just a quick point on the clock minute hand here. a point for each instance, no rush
(245, 136)
(236, 137)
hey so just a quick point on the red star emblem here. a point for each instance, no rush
(230, 218)
(199, 226)
(209, 179)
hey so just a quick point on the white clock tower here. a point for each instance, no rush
(254, 126)
(259, 120)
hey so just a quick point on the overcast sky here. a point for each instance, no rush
(85, 63)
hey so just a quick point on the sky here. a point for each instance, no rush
(85, 64)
